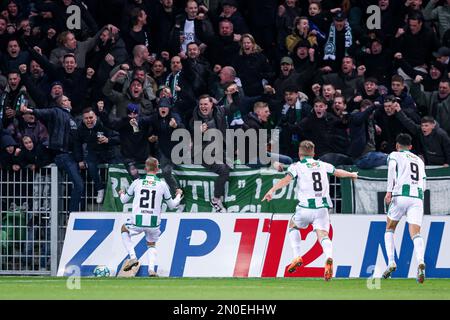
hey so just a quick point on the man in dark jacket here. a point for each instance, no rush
(162, 124)
(434, 141)
(100, 142)
(205, 117)
(62, 130)
(133, 136)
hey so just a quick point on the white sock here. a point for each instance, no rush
(419, 247)
(294, 237)
(390, 247)
(327, 247)
(126, 239)
(151, 255)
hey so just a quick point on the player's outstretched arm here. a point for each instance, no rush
(123, 196)
(280, 184)
(173, 203)
(340, 173)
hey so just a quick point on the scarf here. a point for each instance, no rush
(172, 83)
(330, 46)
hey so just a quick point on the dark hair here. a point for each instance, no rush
(134, 15)
(291, 88)
(404, 139)
(191, 43)
(415, 15)
(371, 79)
(397, 78)
(446, 80)
(320, 99)
(67, 55)
(206, 96)
(427, 119)
(87, 110)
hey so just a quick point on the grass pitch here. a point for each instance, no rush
(220, 289)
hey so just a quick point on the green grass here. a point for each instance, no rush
(220, 289)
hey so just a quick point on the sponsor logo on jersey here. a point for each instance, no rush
(313, 165)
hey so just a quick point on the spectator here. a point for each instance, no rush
(434, 141)
(35, 156)
(162, 124)
(159, 73)
(9, 155)
(363, 130)
(133, 135)
(14, 95)
(67, 43)
(294, 110)
(349, 80)
(435, 103)
(149, 86)
(100, 143)
(389, 125)
(440, 13)
(230, 12)
(443, 56)
(377, 61)
(320, 127)
(225, 46)
(400, 92)
(370, 92)
(28, 125)
(164, 19)
(288, 78)
(302, 31)
(252, 67)
(134, 95)
(191, 27)
(14, 57)
(62, 131)
(37, 83)
(138, 33)
(287, 12)
(210, 116)
(339, 42)
(406, 43)
(88, 26)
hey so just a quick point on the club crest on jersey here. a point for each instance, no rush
(313, 165)
(150, 183)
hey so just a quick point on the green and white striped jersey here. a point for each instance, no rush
(312, 180)
(149, 194)
(406, 174)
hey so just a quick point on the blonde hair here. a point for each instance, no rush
(306, 148)
(151, 164)
(256, 47)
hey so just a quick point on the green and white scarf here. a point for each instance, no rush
(330, 46)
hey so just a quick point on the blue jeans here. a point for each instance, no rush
(67, 163)
(371, 160)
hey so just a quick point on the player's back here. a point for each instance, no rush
(149, 194)
(313, 184)
(410, 174)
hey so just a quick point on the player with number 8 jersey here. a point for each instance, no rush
(314, 202)
(149, 194)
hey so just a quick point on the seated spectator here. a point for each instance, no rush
(209, 116)
(100, 148)
(434, 141)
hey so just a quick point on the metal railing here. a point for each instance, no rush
(34, 217)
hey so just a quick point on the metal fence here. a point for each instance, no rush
(34, 217)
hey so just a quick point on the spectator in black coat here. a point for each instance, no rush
(100, 148)
(33, 155)
(133, 136)
(9, 153)
(13, 57)
(377, 61)
(162, 124)
(252, 67)
(434, 141)
(62, 130)
(225, 46)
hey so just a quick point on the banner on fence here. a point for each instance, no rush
(366, 194)
(243, 191)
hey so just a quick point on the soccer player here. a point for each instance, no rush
(314, 202)
(146, 215)
(405, 188)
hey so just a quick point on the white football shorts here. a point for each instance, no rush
(319, 218)
(411, 207)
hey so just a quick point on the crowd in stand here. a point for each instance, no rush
(115, 89)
